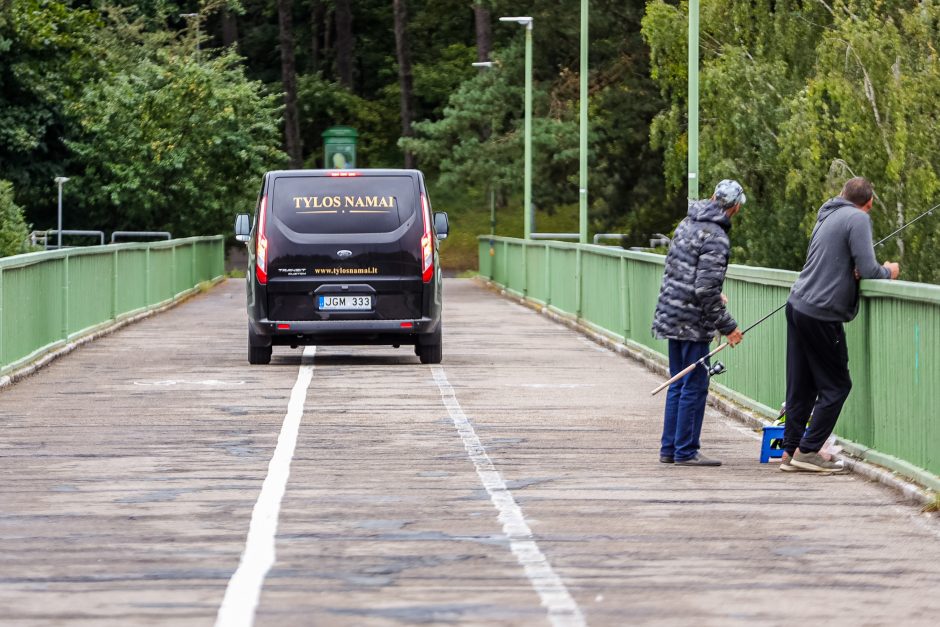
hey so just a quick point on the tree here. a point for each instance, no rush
(481, 18)
(344, 42)
(174, 142)
(405, 83)
(317, 17)
(292, 143)
(229, 28)
(13, 229)
(46, 58)
(793, 108)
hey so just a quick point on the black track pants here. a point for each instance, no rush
(818, 379)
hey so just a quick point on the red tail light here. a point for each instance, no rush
(427, 244)
(342, 173)
(261, 252)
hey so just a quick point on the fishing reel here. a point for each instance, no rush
(716, 369)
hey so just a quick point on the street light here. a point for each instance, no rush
(527, 184)
(189, 16)
(693, 98)
(60, 181)
(583, 130)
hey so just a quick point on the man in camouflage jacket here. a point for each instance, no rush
(690, 312)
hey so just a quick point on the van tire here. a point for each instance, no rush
(430, 348)
(257, 355)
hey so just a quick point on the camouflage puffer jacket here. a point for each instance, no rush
(689, 306)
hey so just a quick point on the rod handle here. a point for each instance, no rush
(687, 370)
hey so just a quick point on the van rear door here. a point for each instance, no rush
(341, 233)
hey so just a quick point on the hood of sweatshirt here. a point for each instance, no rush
(831, 205)
(709, 210)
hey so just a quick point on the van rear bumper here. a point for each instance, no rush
(344, 331)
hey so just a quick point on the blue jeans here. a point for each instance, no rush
(685, 401)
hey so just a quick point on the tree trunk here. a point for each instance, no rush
(317, 15)
(484, 42)
(405, 83)
(344, 42)
(289, 79)
(229, 29)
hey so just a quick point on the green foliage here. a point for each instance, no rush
(325, 103)
(175, 141)
(46, 57)
(13, 229)
(796, 97)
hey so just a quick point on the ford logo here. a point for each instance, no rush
(342, 254)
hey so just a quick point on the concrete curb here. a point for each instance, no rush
(17, 375)
(909, 490)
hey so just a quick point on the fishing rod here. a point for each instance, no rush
(719, 367)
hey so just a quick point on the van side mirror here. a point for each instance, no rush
(441, 226)
(242, 227)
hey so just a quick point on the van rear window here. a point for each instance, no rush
(360, 204)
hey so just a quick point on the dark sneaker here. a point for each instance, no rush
(698, 460)
(666, 459)
(815, 462)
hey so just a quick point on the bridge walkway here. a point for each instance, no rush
(516, 484)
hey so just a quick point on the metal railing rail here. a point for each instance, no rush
(894, 343)
(573, 236)
(139, 234)
(50, 298)
(35, 236)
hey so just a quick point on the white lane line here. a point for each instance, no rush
(596, 347)
(563, 611)
(244, 588)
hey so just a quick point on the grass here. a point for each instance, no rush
(469, 216)
(933, 507)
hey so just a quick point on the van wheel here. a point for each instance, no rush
(430, 348)
(257, 354)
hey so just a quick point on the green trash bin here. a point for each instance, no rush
(339, 147)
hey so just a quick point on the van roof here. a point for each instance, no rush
(360, 171)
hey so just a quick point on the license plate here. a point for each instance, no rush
(345, 303)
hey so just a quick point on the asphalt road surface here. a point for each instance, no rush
(153, 477)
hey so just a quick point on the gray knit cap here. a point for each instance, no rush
(729, 193)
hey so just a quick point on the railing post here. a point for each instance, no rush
(577, 282)
(173, 271)
(624, 300)
(147, 296)
(867, 430)
(2, 362)
(114, 285)
(525, 268)
(65, 297)
(192, 266)
(548, 274)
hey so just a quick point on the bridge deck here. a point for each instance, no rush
(131, 468)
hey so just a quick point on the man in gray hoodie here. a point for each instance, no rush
(823, 298)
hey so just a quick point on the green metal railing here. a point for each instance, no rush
(48, 299)
(894, 343)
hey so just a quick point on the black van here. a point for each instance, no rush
(343, 257)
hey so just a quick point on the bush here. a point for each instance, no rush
(14, 231)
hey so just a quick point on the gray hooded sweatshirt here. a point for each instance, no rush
(841, 242)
